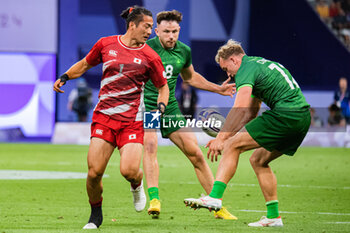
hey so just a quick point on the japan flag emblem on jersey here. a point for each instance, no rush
(137, 60)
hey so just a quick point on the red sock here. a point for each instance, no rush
(96, 204)
(134, 186)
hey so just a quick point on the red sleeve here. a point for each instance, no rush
(94, 56)
(157, 73)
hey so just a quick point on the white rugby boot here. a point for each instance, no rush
(90, 225)
(204, 202)
(267, 222)
(139, 197)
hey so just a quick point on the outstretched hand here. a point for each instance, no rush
(57, 85)
(215, 147)
(228, 89)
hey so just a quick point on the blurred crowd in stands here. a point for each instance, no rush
(338, 111)
(336, 15)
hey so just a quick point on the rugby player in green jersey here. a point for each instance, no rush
(176, 58)
(277, 131)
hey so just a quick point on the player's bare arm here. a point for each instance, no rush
(196, 80)
(75, 71)
(244, 110)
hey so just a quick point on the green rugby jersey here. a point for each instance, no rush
(174, 60)
(271, 83)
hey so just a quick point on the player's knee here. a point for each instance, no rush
(130, 173)
(233, 144)
(256, 161)
(95, 173)
(253, 161)
(196, 157)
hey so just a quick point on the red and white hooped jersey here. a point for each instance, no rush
(125, 72)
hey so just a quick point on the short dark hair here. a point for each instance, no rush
(334, 108)
(173, 15)
(134, 14)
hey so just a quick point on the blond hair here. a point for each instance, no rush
(228, 49)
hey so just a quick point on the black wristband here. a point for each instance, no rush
(64, 78)
(161, 107)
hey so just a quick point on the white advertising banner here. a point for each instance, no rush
(28, 26)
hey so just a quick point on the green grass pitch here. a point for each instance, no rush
(314, 193)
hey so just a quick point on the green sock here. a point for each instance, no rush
(153, 192)
(218, 189)
(272, 209)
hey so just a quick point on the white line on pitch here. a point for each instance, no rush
(280, 185)
(338, 222)
(289, 212)
(295, 186)
(40, 175)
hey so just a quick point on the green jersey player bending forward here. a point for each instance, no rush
(176, 58)
(277, 131)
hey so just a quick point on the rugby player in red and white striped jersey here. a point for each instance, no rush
(128, 63)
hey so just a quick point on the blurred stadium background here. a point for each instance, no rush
(41, 39)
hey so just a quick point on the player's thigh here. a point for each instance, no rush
(241, 141)
(262, 157)
(99, 154)
(173, 118)
(130, 157)
(185, 140)
(150, 141)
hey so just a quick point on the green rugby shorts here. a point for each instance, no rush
(170, 119)
(281, 131)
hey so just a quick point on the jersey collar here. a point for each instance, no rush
(127, 47)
